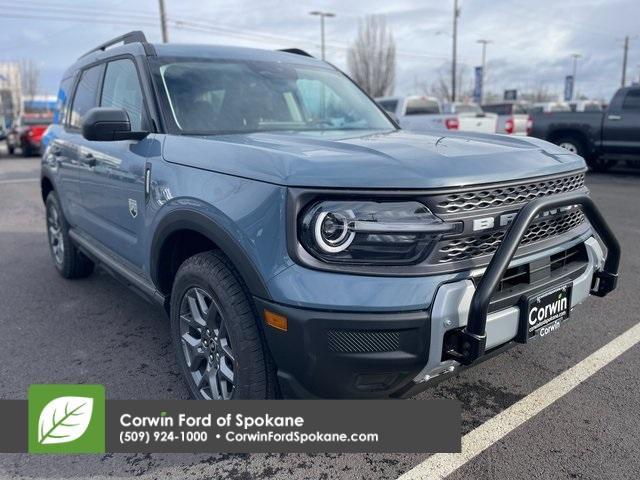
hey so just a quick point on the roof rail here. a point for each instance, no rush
(296, 51)
(135, 36)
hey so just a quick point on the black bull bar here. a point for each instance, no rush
(469, 343)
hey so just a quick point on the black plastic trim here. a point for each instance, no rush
(193, 220)
(119, 270)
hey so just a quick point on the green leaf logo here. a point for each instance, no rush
(64, 419)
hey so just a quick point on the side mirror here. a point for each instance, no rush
(103, 124)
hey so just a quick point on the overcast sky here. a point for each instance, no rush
(532, 40)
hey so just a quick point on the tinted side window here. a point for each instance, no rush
(632, 101)
(121, 89)
(86, 94)
(62, 103)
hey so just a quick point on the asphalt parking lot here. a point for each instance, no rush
(96, 331)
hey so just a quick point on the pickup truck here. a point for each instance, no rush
(418, 113)
(300, 243)
(602, 138)
(513, 117)
(471, 117)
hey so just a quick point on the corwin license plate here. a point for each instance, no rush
(545, 312)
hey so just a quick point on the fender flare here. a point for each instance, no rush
(184, 219)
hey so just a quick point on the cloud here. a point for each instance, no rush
(531, 41)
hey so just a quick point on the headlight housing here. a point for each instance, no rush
(370, 232)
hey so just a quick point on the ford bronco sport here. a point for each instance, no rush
(300, 242)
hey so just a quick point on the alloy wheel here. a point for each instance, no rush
(56, 239)
(569, 146)
(206, 346)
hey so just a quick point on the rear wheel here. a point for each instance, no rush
(69, 261)
(572, 144)
(218, 345)
(26, 150)
(575, 145)
(598, 164)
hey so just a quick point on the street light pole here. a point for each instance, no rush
(484, 43)
(456, 14)
(624, 61)
(163, 22)
(575, 57)
(322, 16)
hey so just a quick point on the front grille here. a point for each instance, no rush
(363, 341)
(473, 200)
(472, 246)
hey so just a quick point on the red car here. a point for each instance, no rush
(27, 133)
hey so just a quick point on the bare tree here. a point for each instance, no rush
(441, 88)
(372, 57)
(539, 93)
(30, 74)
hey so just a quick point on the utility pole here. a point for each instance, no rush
(456, 14)
(624, 61)
(484, 43)
(322, 16)
(575, 57)
(163, 22)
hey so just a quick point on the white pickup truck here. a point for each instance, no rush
(471, 117)
(418, 113)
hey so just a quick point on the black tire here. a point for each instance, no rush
(576, 145)
(26, 150)
(212, 315)
(599, 164)
(69, 261)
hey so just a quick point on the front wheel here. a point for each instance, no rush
(572, 144)
(213, 324)
(598, 164)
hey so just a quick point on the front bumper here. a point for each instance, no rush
(333, 354)
(362, 355)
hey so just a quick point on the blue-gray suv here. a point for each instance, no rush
(300, 242)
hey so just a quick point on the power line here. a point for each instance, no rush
(149, 20)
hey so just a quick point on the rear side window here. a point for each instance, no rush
(632, 101)
(86, 95)
(121, 89)
(64, 93)
(422, 106)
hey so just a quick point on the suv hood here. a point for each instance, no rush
(348, 159)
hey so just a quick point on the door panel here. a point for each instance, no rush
(73, 169)
(621, 126)
(114, 192)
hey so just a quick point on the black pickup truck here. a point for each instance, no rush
(602, 138)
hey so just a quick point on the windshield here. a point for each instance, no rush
(468, 108)
(211, 97)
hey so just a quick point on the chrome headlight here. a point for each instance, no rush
(367, 232)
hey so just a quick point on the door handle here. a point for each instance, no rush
(91, 160)
(614, 117)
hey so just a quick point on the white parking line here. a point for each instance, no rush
(20, 180)
(475, 442)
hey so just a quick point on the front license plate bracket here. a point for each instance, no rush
(546, 310)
